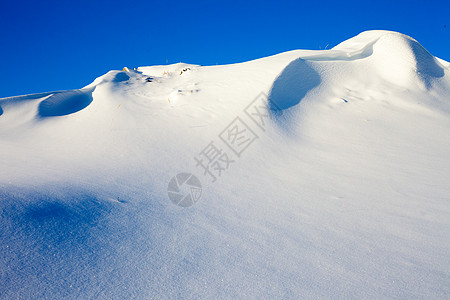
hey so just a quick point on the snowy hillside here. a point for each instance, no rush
(308, 174)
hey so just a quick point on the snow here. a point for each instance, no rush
(343, 192)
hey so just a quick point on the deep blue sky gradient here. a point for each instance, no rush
(58, 45)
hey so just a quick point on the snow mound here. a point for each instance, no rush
(312, 174)
(398, 58)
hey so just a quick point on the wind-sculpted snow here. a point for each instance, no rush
(318, 174)
(65, 103)
(398, 58)
(293, 83)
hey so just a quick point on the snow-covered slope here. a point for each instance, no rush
(329, 177)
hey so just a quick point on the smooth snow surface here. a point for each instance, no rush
(343, 192)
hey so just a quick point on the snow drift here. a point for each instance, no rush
(340, 191)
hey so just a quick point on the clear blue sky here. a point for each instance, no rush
(66, 44)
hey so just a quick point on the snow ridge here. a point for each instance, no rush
(342, 193)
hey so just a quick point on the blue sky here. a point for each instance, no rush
(58, 45)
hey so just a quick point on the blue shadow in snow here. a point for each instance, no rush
(65, 103)
(428, 68)
(426, 63)
(120, 77)
(292, 85)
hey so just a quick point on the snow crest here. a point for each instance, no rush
(340, 192)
